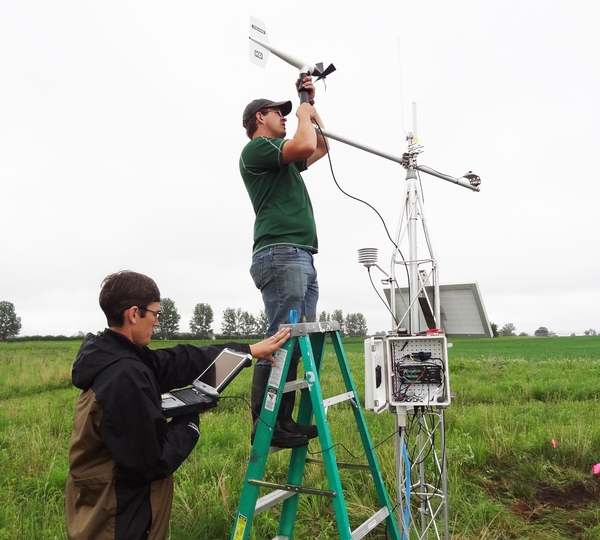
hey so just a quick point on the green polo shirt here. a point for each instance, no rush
(284, 213)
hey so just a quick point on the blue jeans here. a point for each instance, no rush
(287, 280)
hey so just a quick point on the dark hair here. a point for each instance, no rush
(125, 289)
(250, 125)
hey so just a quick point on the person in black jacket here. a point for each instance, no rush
(123, 450)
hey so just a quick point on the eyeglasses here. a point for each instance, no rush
(275, 111)
(155, 313)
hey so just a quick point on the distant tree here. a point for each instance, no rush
(542, 331)
(169, 320)
(494, 327)
(262, 323)
(338, 316)
(10, 324)
(523, 334)
(362, 324)
(350, 325)
(355, 325)
(324, 317)
(230, 324)
(509, 329)
(590, 332)
(247, 325)
(201, 321)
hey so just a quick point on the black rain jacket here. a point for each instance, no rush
(123, 450)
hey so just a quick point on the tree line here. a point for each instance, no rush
(237, 323)
(509, 329)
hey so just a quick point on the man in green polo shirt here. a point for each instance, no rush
(285, 234)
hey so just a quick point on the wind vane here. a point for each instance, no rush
(259, 53)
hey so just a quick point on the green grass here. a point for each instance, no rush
(506, 480)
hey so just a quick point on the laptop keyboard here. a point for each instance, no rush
(191, 395)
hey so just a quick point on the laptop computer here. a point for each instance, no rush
(205, 390)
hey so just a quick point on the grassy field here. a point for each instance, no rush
(506, 478)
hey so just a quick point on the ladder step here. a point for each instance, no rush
(370, 524)
(295, 385)
(338, 399)
(302, 329)
(300, 384)
(271, 499)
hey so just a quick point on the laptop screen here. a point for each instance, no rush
(217, 376)
(224, 369)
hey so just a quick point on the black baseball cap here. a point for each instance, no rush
(254, 106)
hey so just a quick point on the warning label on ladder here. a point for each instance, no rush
(271, 399)
(276, 370)
(240, 527)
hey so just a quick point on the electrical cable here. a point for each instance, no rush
(352, 196)
(372, 208)
(430, 434)
(341, 445)
(381, 297)
(375, 446)
(408, 487)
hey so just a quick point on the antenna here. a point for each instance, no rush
(415, 138)
(259, 53)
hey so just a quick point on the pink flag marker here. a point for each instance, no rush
(553, 443)
(596, 468)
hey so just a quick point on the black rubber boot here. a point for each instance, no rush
(284, 418)
(281, 438)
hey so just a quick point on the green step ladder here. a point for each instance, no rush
(311, 338)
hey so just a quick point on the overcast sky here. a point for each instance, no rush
(120, 132)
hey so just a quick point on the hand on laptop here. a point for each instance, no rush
(266, 348)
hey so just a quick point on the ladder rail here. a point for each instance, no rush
(259, 451)
(312, 366)
(382, 494)
(316, 350)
